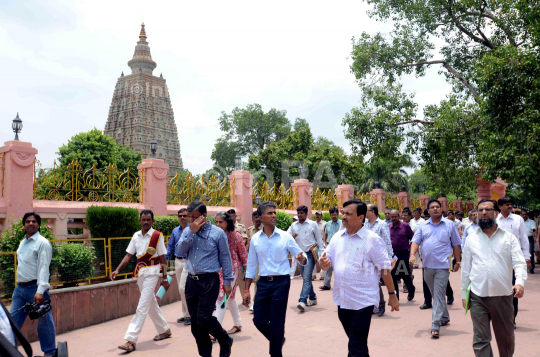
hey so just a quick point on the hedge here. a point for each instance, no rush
(284, 220)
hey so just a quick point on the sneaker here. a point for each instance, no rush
(311, 303)
(314, 277)
(292, 277)
(301, 306)
(187, 321)
(251, 309)
(322, 287)
(180, 320)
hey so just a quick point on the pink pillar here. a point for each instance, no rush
(424, 199)
(499, 188)
(470, 205)
(444, 203)
(484, 189)
(18, 179)
(405, 199)
(154, 185)
(302, 188)
(381, 196)
(458, 204)
(344, 193)
(243, 195)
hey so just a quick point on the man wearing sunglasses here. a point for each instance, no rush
(179, 263)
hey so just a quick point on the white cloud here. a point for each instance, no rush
(61, 60)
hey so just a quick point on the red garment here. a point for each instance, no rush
(239, 257)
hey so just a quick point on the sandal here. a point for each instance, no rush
(163, 336)
(234, 330)
(434, 334)
(128, 346)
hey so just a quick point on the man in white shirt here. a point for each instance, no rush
(357, 254)
(307, 234)
(490, 255)
(34, 258)
(531, 229)
(514, 224)
(150, 244)
(321, 224)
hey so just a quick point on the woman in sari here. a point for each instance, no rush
(239, 258)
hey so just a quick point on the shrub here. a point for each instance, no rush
(212, 219)
(10, 241)
(325, 217)
(165, 224)
(283, 220)
(74, 262)
(109, 222)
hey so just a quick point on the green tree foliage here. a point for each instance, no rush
(246, 131)
(323, 161)
(389, 173)
(488, 52)
(11, 238)
(95, 148)
(165, 224)
(300, 124)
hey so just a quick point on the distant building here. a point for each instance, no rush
(141, 110)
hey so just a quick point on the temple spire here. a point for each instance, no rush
(142, 35)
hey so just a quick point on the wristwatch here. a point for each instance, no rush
(392, 293)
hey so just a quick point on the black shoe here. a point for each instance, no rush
(405, 290)
(322, 287)
(531, 271)
(411, 294)
(225, 350)
(187, 321)
(180, 320)
(425, 307)
(450, 301)
(380, 313)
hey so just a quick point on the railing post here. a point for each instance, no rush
(381, 198)
(458, 204)
(18, 179)
(444, 203)
(242, 195)
(343, 194)
(153, 186)
(302, 188)
(405, 198)
(424, 199)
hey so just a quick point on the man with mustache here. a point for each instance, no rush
(490, 255)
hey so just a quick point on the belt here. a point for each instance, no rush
(275, 277)
(28, 283)
(183, 258)
(202, 276)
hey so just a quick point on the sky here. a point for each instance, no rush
(60, 61)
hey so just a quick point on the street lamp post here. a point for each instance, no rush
(17, 126)
(301, 171)
(238, 163)
(343, 178)
(376, 183)
(403, 187)
(153, 147)
(258, 200)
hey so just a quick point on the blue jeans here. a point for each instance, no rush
(307, 286)
(45, 326)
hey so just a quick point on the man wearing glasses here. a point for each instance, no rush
(179, 263)
(439, 238)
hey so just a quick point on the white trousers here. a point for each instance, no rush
(293, 267)
(181, 278)
(232, 306)
(148, 305)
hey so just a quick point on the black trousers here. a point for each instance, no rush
(531, 250)
(201, 296)
(269, 310)
(402, 270)
(428, 299)
(514, 300)
(356, 324)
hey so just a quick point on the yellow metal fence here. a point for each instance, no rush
(75, 261)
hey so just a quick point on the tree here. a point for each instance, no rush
(300, 124)
(246, 131)
(489, 55)
(95, 148)
(389, 173)
(323, 161)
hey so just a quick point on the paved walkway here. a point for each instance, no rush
(318, 332)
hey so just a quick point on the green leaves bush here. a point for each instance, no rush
(74, 261)
(283, 220)
(165, 224)
(11, 239)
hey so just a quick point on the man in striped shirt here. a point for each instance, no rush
(330, 229)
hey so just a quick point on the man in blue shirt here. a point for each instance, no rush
(439, 238)
(207, 250)
(471, 228)
(179, 263)
(270, 248)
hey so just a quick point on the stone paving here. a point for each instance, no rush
(318, 332)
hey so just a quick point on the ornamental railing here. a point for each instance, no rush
(182, 190)
(323, 200)
(394, 202)
(73, 183)
(283, 198)
(1, 174)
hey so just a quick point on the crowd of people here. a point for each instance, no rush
(364, 254)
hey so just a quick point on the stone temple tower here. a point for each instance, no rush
(141, 110)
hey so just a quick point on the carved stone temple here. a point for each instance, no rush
(141, 110)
